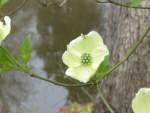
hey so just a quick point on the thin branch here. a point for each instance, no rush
(16, 9)
(63, 3)
(85, 91)
(104, 100)
(131, 51)
(102, 1)
(123, 5)
(59, 83)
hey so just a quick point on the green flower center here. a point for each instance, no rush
(86, 58)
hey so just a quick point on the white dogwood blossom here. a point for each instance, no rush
(84, 55)
(141, 102)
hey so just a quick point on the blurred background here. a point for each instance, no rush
(52, 24)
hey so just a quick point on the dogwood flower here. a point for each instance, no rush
(141, 102)
(84, 55)
(5, 28)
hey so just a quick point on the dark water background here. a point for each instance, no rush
(52, 27)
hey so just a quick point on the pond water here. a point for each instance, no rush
(52, 27)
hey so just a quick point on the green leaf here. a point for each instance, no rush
(26, 50)
(5, 69)
(7, 61)
(6, 58)
(3, 2)
(103, 68)
(136, 3)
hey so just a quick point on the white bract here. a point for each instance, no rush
(84, 55)
(141, 102)
(5, 28)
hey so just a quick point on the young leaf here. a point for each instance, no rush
(136, 3)
(26, 49)
(5, 69)
(103, 68)
(7, 61)
(6, 58)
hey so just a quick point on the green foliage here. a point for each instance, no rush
(103, 68)
(3, 2)
(26, 50)
(7, 61)
(136, 3)
(5, 69)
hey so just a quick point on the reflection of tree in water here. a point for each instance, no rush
(57, 26)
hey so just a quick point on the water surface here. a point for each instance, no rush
(52, 27)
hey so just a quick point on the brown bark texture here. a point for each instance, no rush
(123, 28)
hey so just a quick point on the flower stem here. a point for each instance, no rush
(131, 51)
(122, 5)
(58, 83)
(104, 99)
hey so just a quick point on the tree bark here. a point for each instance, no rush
(123, 28)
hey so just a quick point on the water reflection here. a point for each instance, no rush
(51, 27)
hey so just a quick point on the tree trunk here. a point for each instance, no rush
(123, 28)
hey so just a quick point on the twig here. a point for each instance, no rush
(104, 99)
(131, 51)
(101, 1)
(59, 83)
(16, 9)
(123, 5)
(85, 91)
(63, 3)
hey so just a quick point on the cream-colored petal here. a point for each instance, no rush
(141, 102)
(75, 47)
(91, 41)
(5, 28)
(98, 56)
(70, 60)
(7, 20)
(1, 23)
(94, 38)
(85, 43)
(81, 73)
